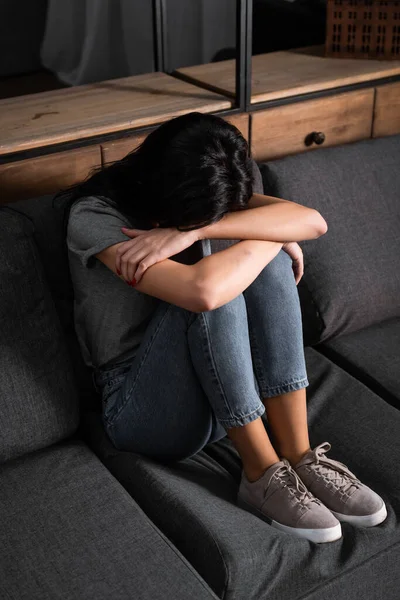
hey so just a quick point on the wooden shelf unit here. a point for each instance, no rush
(278, 75)
(79, 112)
(115, 112)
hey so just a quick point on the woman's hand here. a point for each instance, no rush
(296, 254)
(148, 247)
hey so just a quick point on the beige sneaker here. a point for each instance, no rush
(281, 499)
(339, 489)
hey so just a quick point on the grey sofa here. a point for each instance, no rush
(80, 519)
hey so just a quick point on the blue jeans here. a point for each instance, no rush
(197, 374)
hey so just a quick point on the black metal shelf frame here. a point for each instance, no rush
(160, 35)
(244, 30)
(244, 46)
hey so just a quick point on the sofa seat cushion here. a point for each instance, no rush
(69, 530)
(372, 355)
(352, 271)
(241, 557)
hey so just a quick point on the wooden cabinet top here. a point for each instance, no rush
(47, 118)
(289, 72)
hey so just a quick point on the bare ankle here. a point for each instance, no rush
(255, 474)
(294, 457)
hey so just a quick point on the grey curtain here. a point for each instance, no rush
(95, 40)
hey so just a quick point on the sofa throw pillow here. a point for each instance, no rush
(352, 272)
(38, 394)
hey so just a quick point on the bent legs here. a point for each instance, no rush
(276, 339)
(199, 377)
(276, 336)
(191, 379)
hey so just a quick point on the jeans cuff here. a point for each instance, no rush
(277, 390)
(240, 421)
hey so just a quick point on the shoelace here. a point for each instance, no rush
(334, 471)
(289, 478)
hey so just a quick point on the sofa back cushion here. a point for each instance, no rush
(47, 219)
(38, 394)
(351, 274)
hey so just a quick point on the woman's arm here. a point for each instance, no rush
(208, 284)
(225, 274)
(260, 200)
(272, 220)
(268, 218)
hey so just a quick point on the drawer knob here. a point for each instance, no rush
(316, 137)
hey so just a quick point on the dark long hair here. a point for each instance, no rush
(187, 173)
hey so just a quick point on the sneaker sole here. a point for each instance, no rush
(365, 520)
(318, 536)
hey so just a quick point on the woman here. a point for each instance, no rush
(187, 351)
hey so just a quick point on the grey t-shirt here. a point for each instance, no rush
(110, 316)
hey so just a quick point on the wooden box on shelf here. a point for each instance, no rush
(363, 29)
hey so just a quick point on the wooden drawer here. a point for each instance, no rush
(387, 110)
(283, 130)
(119, 148)
(46, 174)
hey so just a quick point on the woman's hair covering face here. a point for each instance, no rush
(187, 173)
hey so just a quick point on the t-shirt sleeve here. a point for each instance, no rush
(93, 225)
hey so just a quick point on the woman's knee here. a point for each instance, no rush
(274, 292)
(277, 276)
(222, 323)
(280, 265)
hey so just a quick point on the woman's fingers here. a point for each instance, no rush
(132, 232)
(121, 250)
(124, 252)
(138, 263)
(144, 264)
(298, 270)
(138, 254)
(129, 261)
(135, 262)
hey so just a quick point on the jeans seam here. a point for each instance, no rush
(260, 408)
(111, 421)
(273, 388)
(210, 354)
